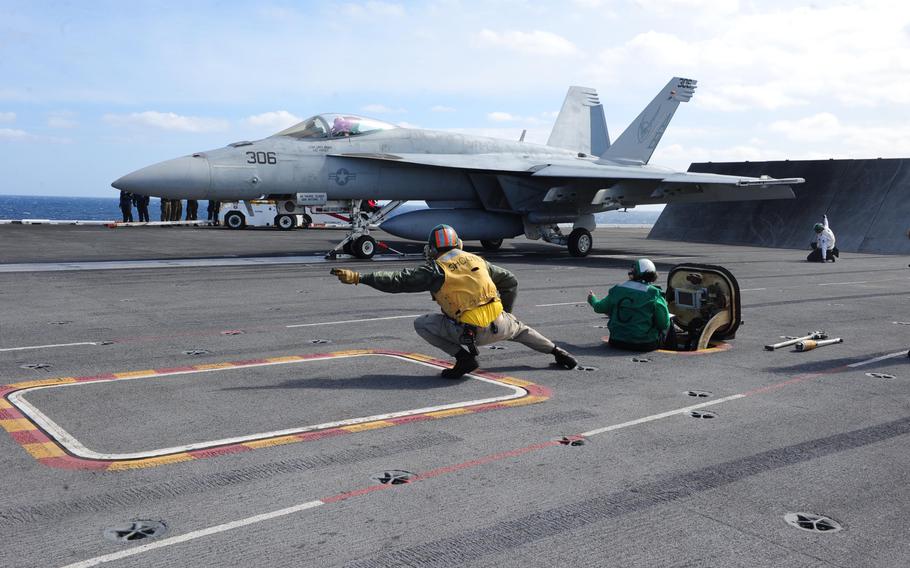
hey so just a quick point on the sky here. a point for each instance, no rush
(91, 90)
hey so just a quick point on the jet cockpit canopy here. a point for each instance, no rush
(335, 126)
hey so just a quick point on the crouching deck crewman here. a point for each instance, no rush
(823, 247)
(476, 298)
(639, 317)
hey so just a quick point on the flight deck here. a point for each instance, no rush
(222, 392)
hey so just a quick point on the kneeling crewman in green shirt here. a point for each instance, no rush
(639, 318)
(476, 300)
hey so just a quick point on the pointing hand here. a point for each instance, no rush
(346, 276)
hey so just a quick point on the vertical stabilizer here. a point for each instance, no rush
(637, 142)
(581, 126)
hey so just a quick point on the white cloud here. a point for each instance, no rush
(441, 108)
(855, 54)
(381, 109)
(14, 134)
(671, 7)
(7, 117)
(501, 117)
(831, 137)
(373, 8)
(63, 119)
(18, 135)
(530, 43)
(273, 121)
(815, 128)
(168, 121)
(770, 96)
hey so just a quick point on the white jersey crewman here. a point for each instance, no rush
(823, 248)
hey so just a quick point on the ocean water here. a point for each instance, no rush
(16, 207)
(79, 208)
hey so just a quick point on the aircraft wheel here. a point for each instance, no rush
(491, 244)
(580, 242)
(307, 221)
(364, 247)
(285, 222)
(348, 248)
(235, 220)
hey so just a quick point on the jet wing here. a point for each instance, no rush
(482, 162)
(618, 172)
(665, 185)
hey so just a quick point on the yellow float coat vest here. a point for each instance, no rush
(468, 294)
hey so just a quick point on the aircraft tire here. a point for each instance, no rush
(235, 220)
(491, 244)
(285, 222)
(307, 221)
(580, 242)
(364, 247)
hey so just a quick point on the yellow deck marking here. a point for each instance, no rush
(514, 382)
(131, 374)
(42, 383)
(523, 401)
(209, 366)
(272, 442)
(17, 425)
(289, 359)
(44, 450)
(149, 462)
(368, 426)
(447, 413)
(56, 449)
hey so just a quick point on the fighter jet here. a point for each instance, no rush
(487, 189)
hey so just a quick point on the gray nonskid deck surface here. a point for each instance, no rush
(812, 435)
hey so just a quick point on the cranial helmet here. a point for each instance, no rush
(818, 228)
(443, 238)
(644, 270)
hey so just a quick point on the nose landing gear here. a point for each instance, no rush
(358, 241)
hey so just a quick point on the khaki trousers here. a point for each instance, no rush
(438, 330)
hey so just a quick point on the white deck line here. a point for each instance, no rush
(194, 535)
(75, 447)
(877, 359)
(182, 263)
(48, 346)
(654, 417)
(353, 321)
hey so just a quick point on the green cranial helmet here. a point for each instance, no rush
(644, 270)
(818, 228)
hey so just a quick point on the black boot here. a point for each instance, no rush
(464, 363)
(563, 359)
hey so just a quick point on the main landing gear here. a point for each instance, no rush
(579, 242)
(358, 241)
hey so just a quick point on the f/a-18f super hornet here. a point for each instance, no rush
(487, 189)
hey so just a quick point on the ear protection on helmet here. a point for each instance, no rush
(443, 237)
(644, 270)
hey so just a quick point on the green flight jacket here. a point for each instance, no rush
(429, 278)
(638, 312)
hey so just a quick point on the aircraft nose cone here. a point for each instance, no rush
(181, 178)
